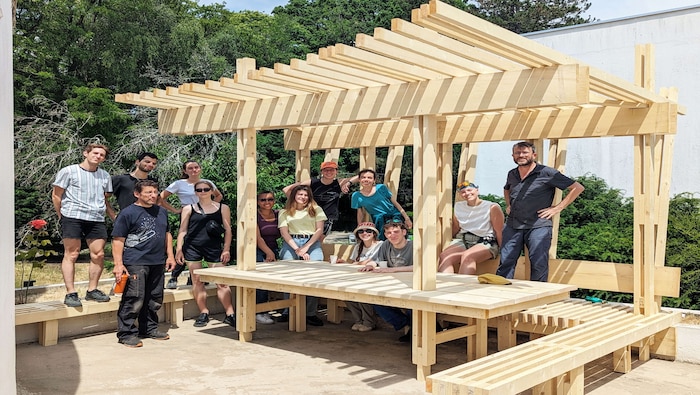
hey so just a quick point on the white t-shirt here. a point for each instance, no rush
(367, 253)
(475, 219)
(185, 191)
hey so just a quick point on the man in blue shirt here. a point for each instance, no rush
(529, 192)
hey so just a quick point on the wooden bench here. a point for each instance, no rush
(554, 363)
(47, 314)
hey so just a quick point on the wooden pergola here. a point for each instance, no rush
(446, 77)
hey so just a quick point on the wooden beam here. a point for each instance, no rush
(471, 29)
(496, 126)
(526, 88)
(392, 171)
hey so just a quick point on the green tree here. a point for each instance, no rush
(683, 249)
(524, 16)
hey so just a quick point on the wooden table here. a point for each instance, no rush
(459, 295)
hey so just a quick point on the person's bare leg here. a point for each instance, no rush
(71, 250)
(470, 257)
(198, 289)
(450, 259)
(223, 292)
(97, 261)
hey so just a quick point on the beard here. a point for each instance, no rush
(526, 162)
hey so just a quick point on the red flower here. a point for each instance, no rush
(37, 223)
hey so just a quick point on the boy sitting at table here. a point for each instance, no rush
(397, 252)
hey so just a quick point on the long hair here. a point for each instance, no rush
(291, 202)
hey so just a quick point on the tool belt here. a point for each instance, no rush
(470, 239)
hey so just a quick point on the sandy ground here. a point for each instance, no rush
(324, 360)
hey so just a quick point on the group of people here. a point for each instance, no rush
(142, 243)
(482, 231)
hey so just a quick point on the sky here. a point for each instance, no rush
(601, 9)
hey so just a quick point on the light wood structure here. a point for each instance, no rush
(446, 77)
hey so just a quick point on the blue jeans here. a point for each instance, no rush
(537, 241)
(316, 254)
(394, 316)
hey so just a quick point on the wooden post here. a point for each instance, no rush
(368, 158)
(392, 171)
(556, 159)
(246, 229)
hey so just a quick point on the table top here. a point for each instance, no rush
(456, 294)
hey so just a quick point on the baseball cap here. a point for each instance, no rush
(329, 165)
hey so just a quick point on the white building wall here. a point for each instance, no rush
(609, 46)
(7, 238)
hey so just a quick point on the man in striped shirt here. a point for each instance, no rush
(79, 195)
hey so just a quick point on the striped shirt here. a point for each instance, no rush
(84, 196)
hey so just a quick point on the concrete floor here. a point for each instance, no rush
(324, 360)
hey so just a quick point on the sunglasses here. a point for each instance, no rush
(466, 184)
(361, 231)
(202, 189)
(266, 200)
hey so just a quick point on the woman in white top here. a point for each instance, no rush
(365, 250)
(184, 190)
(478, 224)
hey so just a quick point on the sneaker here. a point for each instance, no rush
(355, 326)
(264, 319)
(314, 321)
(96, 295)
(157, 335)
(131, 341)
(72, 300)
(202, 320)
(364, 328)
(230, 320)
(172, 283)
(283, 318)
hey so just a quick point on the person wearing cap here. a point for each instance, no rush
(529, 192)
(326, 191)
(378, 202)
(397, 251)
(477, 224)
(365, 251)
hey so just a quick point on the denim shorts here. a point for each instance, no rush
(72, 228)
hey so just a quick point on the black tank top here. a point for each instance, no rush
(197, 228)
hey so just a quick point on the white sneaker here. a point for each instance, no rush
(264, 318)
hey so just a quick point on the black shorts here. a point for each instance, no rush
(210, 253)
(72, 228)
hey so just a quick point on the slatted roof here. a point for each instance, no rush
(483, 83)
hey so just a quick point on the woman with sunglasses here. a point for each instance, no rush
(478, 225)
(378, 202)
(365, 250)
(267, 235)
(183, 189)
(198, 240)
(301, 226)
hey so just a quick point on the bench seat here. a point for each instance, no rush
(47, 314)
(553, 363)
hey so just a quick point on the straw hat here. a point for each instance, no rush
(366, 225)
